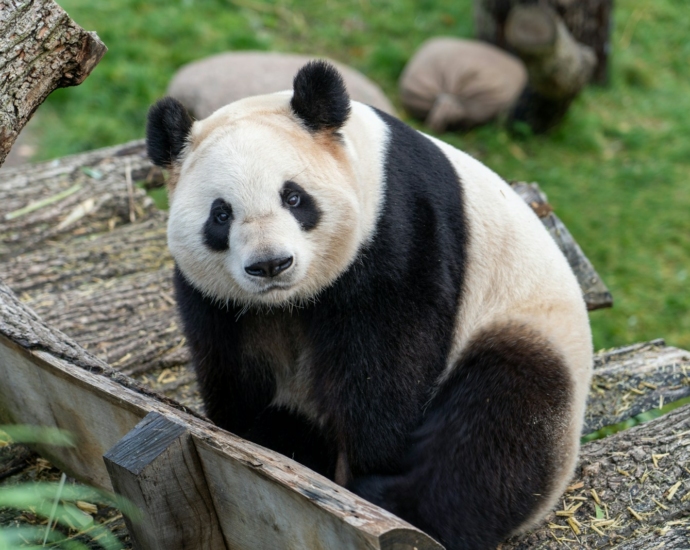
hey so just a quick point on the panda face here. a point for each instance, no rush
(264, 211)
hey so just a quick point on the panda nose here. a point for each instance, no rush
(269, 268)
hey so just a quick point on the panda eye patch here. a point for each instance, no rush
(216, 229)
(301, 205)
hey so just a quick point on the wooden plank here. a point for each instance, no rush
(265, 502)
(157, 468)
(53, 382)
(39, 389)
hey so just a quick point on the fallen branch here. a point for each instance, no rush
(41, 49)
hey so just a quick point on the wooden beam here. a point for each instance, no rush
(264, 502)
(41, 49)
(157, 468)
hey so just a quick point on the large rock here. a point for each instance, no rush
(451, 83)
(206, 85)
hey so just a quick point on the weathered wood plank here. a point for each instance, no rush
(41, 49)
(629, 382)
(101, 406)
(157, 468)
(37, 389)
(264, 502)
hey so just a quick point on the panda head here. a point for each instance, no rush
(264, 207)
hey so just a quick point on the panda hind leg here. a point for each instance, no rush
(491, 449)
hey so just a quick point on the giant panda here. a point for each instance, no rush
(377, 305)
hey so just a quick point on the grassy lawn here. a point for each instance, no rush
(617, 170)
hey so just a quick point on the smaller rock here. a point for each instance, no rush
(210, 83)
(451, 83)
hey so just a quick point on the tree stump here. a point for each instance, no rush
(41, 49)
(589, 23)
(563, 43)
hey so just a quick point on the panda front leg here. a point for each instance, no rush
(495, 447)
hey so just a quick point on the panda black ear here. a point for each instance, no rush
(167, 130)
(320, 98)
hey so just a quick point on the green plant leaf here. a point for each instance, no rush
(25, 433)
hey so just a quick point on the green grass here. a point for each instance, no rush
(617, 170)
(67, 526)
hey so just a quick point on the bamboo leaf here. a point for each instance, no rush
(36, 205)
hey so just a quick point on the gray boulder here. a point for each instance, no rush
(451, 83)
(207, 84)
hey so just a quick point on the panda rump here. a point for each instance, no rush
(421, 340)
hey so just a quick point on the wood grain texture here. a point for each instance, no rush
(641, 478)
(41, 49)
(74, 197)
(157, 468)
(266, 502)
(629, 382)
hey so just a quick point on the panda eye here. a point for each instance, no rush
(221, 217)
(292, 199)
(221, 212)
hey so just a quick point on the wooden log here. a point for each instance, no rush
(41, 49)
(633, 380)
(157, 468)
(71, 197)
(589, 22)
(130, 322)
(595, 292)
(48, 380)
(631, 490)
(82, 262)
(112, 293)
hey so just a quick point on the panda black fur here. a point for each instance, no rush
(376, 305)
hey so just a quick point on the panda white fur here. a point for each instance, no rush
(377, 305)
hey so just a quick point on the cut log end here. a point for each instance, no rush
(532, 30)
